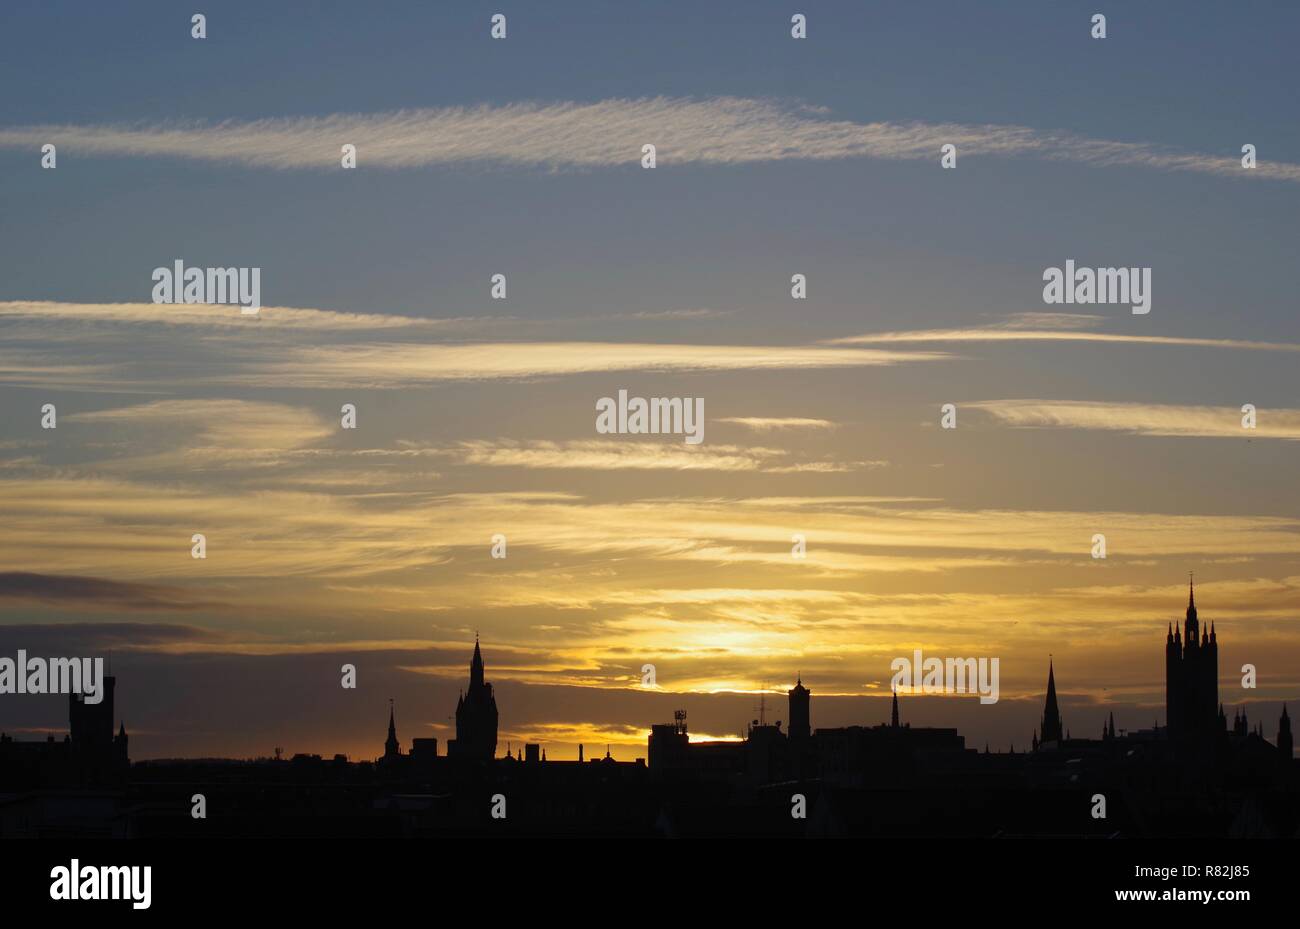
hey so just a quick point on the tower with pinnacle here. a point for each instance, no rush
(476, 716)
(392, 749)
(1050, 730)
(799, 700)
(1192, 678)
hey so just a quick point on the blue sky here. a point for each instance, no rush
(956, 541)
(1203, 77)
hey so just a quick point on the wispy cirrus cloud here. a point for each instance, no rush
(209, 315)
(57, 318)
(90, 346)
(770, 423)
(396, 364)
(237, 426)
(1063, 334)
(612, 455)
(1143, 418)
(1049, 321)
(606, 133)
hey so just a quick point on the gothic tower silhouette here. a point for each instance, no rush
(1191, 678)
(1050, 730)
(799, 700)
(476, 716)
(392, 749)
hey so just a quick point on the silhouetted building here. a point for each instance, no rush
(392, 748)
(476, 717)
(672, 753)
(100, 753)
(1284, 746)
(799, 717)
(894, 754)
(1240, 727)
(424, 752)
(1050, 730)
(91, 754)
(1191, 678)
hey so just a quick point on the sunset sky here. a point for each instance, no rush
(477, 416)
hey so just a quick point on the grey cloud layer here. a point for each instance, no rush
(718, 130)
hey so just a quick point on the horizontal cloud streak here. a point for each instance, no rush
(1144, 418)
(653, 454)
(391, 364)
(1053, 335)
(717, 130)
(209, 315)
(769, 423)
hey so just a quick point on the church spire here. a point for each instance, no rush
(391, 746)
(476, 666)
(893, 714)
(1051, 711)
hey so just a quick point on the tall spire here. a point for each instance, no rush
(476, 666)
(1051, 711)
(893, 714)
(391, 746)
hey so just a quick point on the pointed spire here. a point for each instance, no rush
(1051, 711)
(893, 713)
(391, 746)
(476, 666)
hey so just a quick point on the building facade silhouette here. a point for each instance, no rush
(476, 717)
(1192, 710)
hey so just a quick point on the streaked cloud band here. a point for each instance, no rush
(1143, 418)
(607, 133)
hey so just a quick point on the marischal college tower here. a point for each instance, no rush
(1191, 678)
(476, 716)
